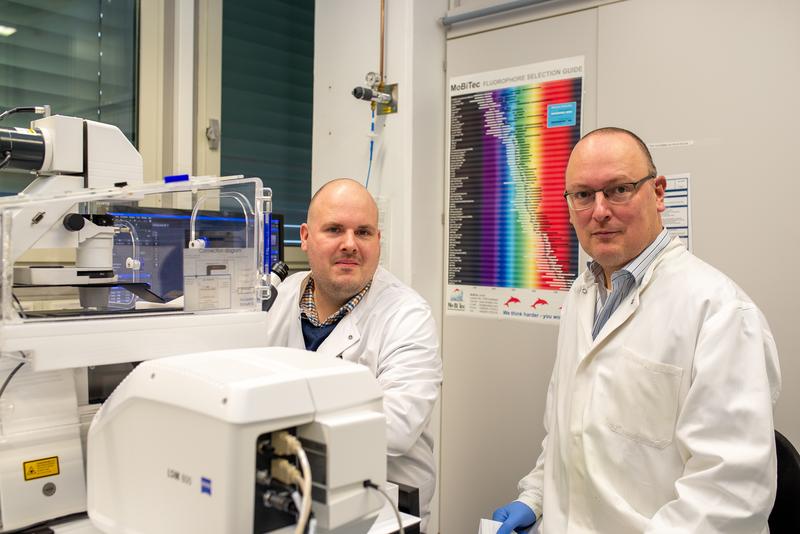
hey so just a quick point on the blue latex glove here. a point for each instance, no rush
(514, 515)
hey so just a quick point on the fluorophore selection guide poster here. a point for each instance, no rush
(511, 250)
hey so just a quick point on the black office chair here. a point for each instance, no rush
(408, 502)
(785, 515)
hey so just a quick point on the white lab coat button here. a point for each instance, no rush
(350, 337)
(583, 290)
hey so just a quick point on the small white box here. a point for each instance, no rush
(488, 526)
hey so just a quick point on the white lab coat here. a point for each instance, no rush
(392, 332)
(663, 423)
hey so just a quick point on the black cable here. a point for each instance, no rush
(9, 377)
(23, 109)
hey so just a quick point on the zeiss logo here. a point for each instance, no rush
(205, 485)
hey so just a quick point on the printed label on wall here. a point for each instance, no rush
(676, 217)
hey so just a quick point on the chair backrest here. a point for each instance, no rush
(785, 516)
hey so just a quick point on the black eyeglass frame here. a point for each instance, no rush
(594, 192)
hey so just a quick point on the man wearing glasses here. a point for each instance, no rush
(659, 408)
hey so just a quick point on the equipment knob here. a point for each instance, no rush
(74, 222)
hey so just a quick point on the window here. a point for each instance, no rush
(77, 56)
(267, 90)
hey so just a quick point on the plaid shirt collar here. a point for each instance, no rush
(308, 308)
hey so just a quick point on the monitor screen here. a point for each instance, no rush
(274, 237)
(161, 236)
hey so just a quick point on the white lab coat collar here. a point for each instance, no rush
(344, 336)
(588, 301)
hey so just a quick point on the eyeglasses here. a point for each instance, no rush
(615, 194)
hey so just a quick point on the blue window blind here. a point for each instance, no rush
(267, 90)
(78, 56)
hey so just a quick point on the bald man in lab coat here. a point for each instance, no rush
(349, 307)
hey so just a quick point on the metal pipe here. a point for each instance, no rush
(383, 27)
(491, 10)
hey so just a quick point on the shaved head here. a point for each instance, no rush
(341, 187)
(342, 241)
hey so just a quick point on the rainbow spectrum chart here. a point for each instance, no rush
(511, 250)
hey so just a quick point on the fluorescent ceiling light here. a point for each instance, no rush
(6, 31)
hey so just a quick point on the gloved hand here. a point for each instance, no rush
(514, 515)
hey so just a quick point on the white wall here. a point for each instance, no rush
(407, 161)
(729, 84)
(718, 73)
(407, 169)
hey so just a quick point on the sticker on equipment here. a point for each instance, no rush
(44, 467)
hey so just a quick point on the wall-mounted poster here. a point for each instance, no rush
(511, 250)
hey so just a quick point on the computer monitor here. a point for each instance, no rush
(161, 236)
(273, 250)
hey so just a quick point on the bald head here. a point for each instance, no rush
(339, 190)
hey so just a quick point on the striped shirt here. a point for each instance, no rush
(308, 307)
(623, 281)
